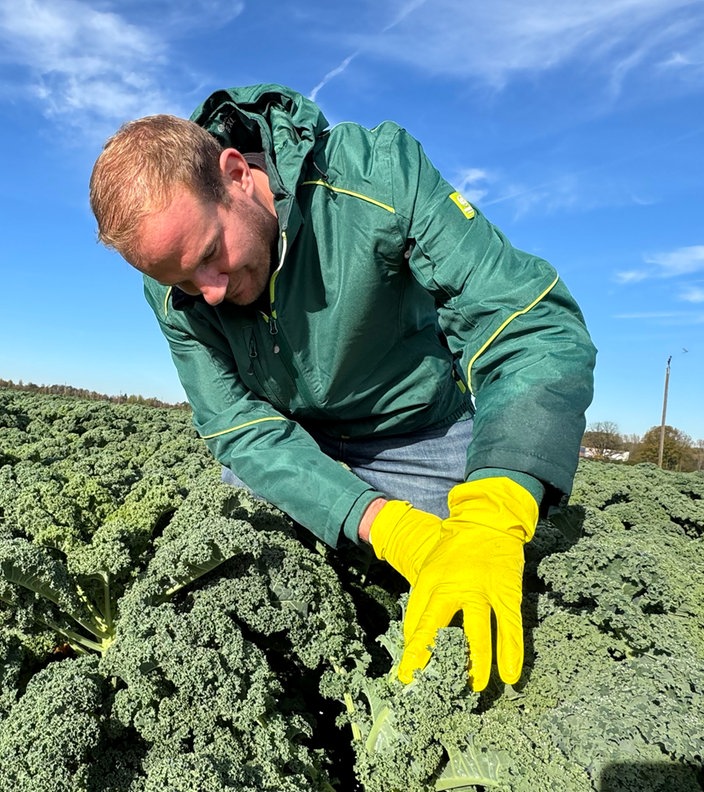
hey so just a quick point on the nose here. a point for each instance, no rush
(212, 285)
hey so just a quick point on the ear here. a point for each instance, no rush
(236, 171)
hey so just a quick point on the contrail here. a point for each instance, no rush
(332, 74)
(337, 71)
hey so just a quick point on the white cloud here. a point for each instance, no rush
(648, 315)
(563, 192)
(331, 75)
(493, 41)
(184, 17)
(668, 318)
(404, 10)
(671, 264)
(90, 67)
(693, 294)
(572, 190)
(80, 63)
(473, 183)
(68, 36)
(631, 276)
(682, 261)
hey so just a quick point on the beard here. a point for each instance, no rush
(260, 240)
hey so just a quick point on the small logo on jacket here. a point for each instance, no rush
(463, 205)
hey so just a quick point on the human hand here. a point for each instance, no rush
(476, 566)
(404, 536)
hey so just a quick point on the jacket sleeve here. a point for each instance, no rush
(277, 459)
(513, 326)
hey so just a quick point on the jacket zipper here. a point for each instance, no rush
(272, 321)
(252, 353)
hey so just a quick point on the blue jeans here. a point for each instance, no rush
(421, 468)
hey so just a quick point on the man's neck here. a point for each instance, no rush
(262, 189)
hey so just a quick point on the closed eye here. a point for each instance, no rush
(209, 254)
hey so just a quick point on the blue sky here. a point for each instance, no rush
(577, 127)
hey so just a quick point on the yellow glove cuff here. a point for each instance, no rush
(403, 536)
(498, 503)
(382, 531)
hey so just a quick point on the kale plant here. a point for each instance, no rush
(159, 630)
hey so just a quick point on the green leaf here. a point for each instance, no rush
(192, 570)
(392, 641)
(471, 766)
(287, 598)
(568, 521)
(383, 733)
(31, 567)
(189, 557)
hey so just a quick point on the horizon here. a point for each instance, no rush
(78, 392)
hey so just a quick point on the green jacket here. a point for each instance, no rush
(393, 298)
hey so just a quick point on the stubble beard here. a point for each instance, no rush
(263, 228)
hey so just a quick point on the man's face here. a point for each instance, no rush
(220, 251)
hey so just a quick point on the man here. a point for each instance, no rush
(328, 297)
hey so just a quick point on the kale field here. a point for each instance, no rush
(162, 632)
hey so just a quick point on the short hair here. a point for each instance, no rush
(138, 169)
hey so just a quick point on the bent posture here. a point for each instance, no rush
(328, 297)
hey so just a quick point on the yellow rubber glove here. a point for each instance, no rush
(404, 536)
(476, 567)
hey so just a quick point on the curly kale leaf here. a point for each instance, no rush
(33, 582)
(636, 573)
(288, 593)
(615, 648)
(11, 657)
(204, 699)
(53, 733)
(417, 737)
(283, 590)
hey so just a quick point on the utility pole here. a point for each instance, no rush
(664, 413)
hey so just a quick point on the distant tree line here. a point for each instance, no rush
(83, 393)
(680, 452)
(603, 438)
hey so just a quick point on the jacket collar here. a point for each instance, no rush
(277, 121)
(180, 300)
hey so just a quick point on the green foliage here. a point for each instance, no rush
(52, 737)
(612, 691)
(616, 675)
(183, 692)
(677, 454)
(203, 699)
(417, 736)
(603, 439)
(10, 665)
(220, 648)
(89, 486)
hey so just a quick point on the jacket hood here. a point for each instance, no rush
(270, 118)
